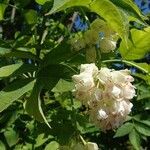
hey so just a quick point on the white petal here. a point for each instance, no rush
(116, 91)
(102, 114)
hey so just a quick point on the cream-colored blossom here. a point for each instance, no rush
(89, 68)
(106, 93)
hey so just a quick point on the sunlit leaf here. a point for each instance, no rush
(8, 70)
(40, 140)
(3, 7)
(115, 18)
(139, 45)
(42, 2)
(63, 4)
(13, 91)
(63, 86)
(52, 146)
(130, 8)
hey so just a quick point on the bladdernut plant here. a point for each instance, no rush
(106, 93)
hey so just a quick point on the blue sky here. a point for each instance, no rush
(145, 7)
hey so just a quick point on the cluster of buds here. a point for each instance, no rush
(106, 93)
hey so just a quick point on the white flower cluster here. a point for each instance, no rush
(106, 93)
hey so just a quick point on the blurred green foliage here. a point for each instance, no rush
(40, 51)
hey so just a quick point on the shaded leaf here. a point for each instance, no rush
(11, 136)
(135, 139)
(31, 16)
(48, 76)
(124, 129)
(142, 128)
(6, 52)
(59, 54)
(2, 145)
(34, 100)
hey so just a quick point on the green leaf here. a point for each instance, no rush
(59, 54)
(130, 8)
(142, 128)
(124, 129)
(2, 145)
(11, 136)
(9, 70)
(143, 92)
(115, 18)
(63, 4)
(144, 66)
(42, 2)
(139, 45)
(35, 101)
(63, 86)
(145, 120)
(13, 91)
(16, 69)
(6, 52)
(3, 7)
(134, 138)
(52, 146)
(48, 76)
(31, 16)
(40, 140)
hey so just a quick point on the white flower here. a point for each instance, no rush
(106, 93)
(89, 68)
(84, 81)
(129, 91)
(121, 77)
(104, 75)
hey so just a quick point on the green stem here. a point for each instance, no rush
(127, 62)
(83, 141)
(73, 110)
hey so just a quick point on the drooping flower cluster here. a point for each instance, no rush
(106, 93)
